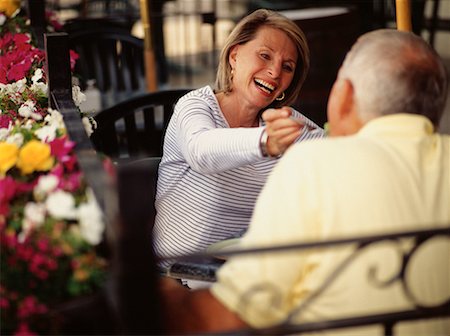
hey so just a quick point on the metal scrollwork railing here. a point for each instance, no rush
(419, 309)
(409, 247)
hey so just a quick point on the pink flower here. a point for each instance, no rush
(43, 245)
(21, 39)
(7, 188)
(73, 59)
(61, 147)
(9, 239)
(30, 306)
(72, 183)
(70, 162)
(7, 192)
(5, 119)
(58, 169)
(18, 71)
(4, 303)
(25, 253)
(3, 78)
(23, 330)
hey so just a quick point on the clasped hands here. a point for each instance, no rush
(282, 131)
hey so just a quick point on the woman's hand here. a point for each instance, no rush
(281, 130)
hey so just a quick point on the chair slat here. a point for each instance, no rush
(136, 137)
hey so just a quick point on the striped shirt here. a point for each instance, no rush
(209, 176)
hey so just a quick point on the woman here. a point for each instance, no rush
(218, 149)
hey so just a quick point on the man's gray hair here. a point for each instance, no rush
(396, 72)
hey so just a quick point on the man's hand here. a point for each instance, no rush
(194, 312)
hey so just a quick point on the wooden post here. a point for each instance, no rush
(36, 13)
(403, 10)
(149, 53)
(59, 77)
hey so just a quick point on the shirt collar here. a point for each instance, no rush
(398, 124)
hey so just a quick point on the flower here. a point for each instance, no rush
(45, 185)
(35, 155)
(61, 205)
(50, 222)
(9, 7)
(91, 220)
(8, 156)
(28, 110)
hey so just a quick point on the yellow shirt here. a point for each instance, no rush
(393, 175)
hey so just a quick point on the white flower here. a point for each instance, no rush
(87, 125)
(28, 124)
(16, 138)
(61, 205)
(4, 132)
(39, 88)
(2, 19)
(18, 86)
(55, 118)
(37, 75)
(46, 184)
(78, 96)
(28, 110)
(90, 220)
(34, 216)
(13, 15)
(46, 133)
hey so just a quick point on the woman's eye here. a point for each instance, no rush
(288, 68)
(265, 56)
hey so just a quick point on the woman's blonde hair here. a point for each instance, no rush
(246, 31)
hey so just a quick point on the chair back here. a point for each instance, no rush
(136, 127)
(111, 56)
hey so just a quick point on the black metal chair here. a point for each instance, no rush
(135, 128)
(111, 56)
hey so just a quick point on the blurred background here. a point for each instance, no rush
(187, 35)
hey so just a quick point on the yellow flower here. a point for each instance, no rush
(8, 156)
(9, 6)
(81, 274)
(35, 155)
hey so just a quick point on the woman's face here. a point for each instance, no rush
(263, 67)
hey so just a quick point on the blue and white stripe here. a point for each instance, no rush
(209, 177)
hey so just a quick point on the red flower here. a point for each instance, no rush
(5, 119)
(23, 330)
(30, 306)
(7, 191)
(72, 183)
(73, 59)
(61, 147)
(19, 70)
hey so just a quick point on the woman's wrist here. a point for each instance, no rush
(263, 143)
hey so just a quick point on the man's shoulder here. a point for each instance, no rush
(330, 145)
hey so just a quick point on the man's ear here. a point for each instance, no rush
(349, 116)
(346, 101)
(343, 114)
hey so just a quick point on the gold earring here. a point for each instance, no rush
(280, 97)
(231, 75)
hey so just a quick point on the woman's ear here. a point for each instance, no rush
(232, 55)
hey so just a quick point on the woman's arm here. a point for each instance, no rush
(207, 145)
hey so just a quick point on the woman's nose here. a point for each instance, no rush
(274, 69)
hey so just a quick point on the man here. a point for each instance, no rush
(382, 170)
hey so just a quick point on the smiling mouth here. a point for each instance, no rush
(266, 87)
